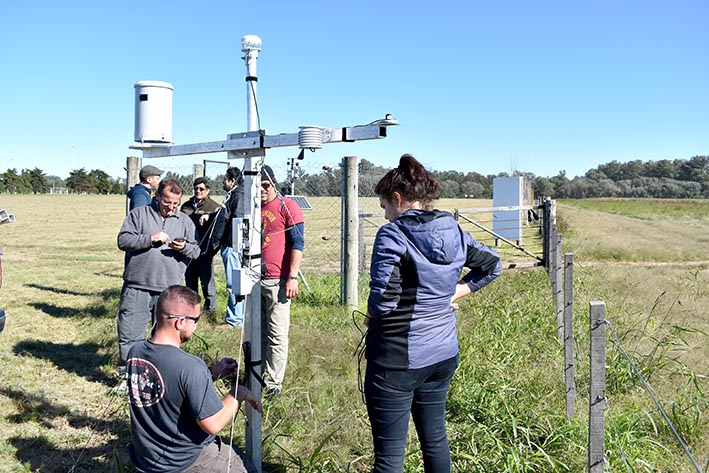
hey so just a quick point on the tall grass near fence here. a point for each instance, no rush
(506, 406)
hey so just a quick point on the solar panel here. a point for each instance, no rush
(302, 201)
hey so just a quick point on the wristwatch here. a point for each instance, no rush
(292, 277)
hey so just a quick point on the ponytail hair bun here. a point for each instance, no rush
(411, 180)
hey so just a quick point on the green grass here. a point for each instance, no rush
(648, 209)
(506, 408)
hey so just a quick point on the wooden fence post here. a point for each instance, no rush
(350, 233)
(597, 396)
(197, 171)
(132, 176)
(569, 370)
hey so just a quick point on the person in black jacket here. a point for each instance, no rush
(202, 209)
(221, 241)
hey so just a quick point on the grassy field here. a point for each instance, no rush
(647, 259)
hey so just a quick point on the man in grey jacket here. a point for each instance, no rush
(159, 243)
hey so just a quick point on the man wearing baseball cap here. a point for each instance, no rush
(141, 194)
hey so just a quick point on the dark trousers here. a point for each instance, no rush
(135, 313)
(391, 395)
(201, 271)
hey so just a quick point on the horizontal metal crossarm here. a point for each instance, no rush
(250, 141)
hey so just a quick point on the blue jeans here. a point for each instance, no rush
(234, 310)
(391, 395)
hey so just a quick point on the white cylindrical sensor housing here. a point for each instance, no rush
(153, 112)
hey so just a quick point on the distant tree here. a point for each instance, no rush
(369, 176)
(662, 168)
(472, 189)
(450, 189)
(543, 187)
(55, 181)
(118, 186)
(37, 181)
(15, 183)
(80, 182)
(561, 185)
(100, 181)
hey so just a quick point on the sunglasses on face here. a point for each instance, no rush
(200, 189)
(265, 184)
(193, 319)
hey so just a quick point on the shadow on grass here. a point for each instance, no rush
(58, 290)
(106, 305)
(41, 453)
(82, 359)
(106, 293)
(96, 311)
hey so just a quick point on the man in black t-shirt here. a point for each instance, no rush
(175, 410)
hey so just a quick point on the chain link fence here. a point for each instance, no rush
(317, 187)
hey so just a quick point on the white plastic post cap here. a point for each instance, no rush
(250, 42)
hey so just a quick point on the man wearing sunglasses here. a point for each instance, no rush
(176, 412)
(159, 243)
(282, 251)
(201, 209)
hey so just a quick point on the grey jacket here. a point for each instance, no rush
(151, 266)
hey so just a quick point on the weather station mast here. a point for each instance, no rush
(153, 136)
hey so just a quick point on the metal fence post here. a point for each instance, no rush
(350, 233)
(557, 283)
(569, 371)
(597, 396)
(362, 245)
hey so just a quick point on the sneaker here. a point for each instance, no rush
(228, 327)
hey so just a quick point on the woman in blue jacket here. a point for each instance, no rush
(412, 345)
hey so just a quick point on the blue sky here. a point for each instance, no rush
(477, 86)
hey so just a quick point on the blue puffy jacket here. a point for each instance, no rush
(416, 263)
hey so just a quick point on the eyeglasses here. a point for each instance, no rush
(193, 319)
(200, 189)
(265, 184)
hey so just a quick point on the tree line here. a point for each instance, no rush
(35, 181)
(677, 179)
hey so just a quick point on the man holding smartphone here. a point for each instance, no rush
(159, 243)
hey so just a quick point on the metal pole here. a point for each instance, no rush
(597, 395)
(251, 210)
(558, 283)
(569, 370)
(251, 45)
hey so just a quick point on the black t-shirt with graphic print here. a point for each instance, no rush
(168, 390)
